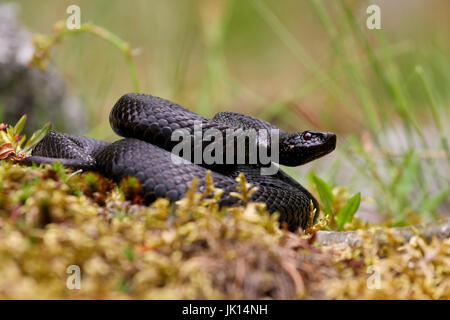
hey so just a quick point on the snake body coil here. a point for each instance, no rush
(147, 123)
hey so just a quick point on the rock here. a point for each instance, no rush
(42, 95)
(428, 231)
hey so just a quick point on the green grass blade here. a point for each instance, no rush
(299, 51)
(20, 124)
(347, 212)
(325, 193)
(350, 66)
(432, 203)
(36, 137)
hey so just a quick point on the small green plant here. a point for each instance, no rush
(337, 206)
(14, 145)
(245, 190)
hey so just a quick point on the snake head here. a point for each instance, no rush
(299, 148)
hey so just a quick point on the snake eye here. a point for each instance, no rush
(307, 136)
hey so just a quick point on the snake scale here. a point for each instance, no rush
(147, 123)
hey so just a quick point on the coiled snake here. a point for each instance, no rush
(147, 122)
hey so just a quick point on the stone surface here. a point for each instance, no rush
(42, 95)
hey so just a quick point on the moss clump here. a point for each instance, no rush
(52, 218)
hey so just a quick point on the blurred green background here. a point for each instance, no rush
(299, 64)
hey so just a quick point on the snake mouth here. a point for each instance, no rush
(322, 148)
(329, 143)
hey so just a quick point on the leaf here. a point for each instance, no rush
(20, 124)
(6, 151)
(22, 140)
(4, 138)
(36, 137)
(347, 212)
(325, 193)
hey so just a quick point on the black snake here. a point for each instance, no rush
(147, 123)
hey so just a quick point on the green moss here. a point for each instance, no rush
(191, 250)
